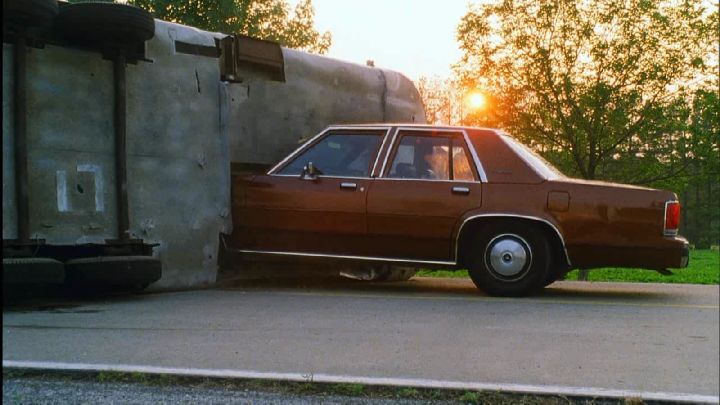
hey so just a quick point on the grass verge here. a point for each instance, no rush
(316, 390)
(704, 268)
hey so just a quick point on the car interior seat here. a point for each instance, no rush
(405, 171)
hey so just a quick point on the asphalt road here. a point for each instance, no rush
(644, 339)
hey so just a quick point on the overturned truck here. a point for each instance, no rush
(120, 133)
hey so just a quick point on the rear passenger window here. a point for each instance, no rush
(461, 164)
(421, 157)
(430, 158)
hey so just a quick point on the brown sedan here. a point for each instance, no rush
(449, 197)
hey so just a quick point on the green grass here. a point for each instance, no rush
(704, 268)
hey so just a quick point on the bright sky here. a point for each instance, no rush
(414, 37)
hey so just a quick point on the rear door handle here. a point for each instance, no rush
(461, 190)
(349, 186)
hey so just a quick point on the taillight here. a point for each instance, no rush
(672, 218)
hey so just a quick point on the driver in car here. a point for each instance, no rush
(437, 164)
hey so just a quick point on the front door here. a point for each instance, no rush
(415, 204)
(294, 211)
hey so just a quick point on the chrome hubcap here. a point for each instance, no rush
(508, 255)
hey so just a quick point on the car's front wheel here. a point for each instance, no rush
(509, 259)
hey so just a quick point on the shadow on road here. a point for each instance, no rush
(458, 287)
(39, 298)
(58, 298)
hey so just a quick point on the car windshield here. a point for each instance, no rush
(537, 162)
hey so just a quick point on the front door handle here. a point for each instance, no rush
(349, 186)
(461, 190)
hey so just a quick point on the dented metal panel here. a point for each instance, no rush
(185, 125)
(318, 91)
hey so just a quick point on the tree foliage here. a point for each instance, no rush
(438, 97)
(265, 19)
(701, 194)
(601, 87)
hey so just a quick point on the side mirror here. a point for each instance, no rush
(309, 172)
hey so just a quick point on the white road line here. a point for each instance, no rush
(405, 382)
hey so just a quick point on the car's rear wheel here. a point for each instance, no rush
(556, 273)
(509, 259)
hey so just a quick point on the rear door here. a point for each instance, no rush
(285, 211)
(429, 180)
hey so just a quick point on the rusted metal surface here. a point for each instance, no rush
(184, 125)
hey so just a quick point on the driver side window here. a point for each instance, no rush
(346, 155)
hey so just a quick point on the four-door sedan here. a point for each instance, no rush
(449, 197)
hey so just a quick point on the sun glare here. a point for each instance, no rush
(476, 100)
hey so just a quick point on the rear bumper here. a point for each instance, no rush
(685, 258)
(674, 254)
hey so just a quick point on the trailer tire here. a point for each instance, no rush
(115, 272)
(31, 13)
(33, 270)
(107, 23)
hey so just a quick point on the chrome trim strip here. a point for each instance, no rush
(397, 260)
(382, 145)
(429, 180)
(387, 153)
(366, 258)
(478, 165)
(323, 176)
(323, 132)
(457, 237)
(665, 231)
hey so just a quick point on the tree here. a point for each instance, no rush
(602, 87)
(701, 194)
(439, 100)
(265, 19)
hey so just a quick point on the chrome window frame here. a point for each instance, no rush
(482, 177)
(381, 150)
(312, 141)
(387, 152)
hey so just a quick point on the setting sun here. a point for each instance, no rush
(476, 100)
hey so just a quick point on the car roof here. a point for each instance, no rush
(413, 125)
